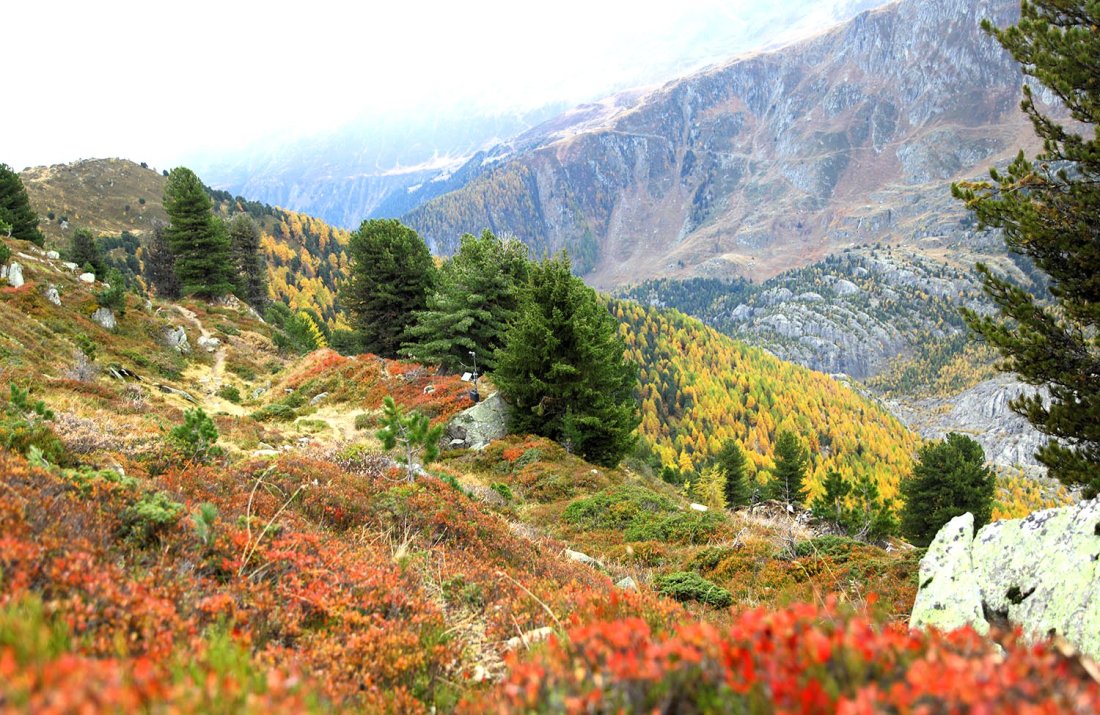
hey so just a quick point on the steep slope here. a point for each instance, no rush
(700, 388)
(771, 161)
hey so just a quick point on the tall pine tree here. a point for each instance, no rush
(84, 252)
(197, 237)
(476, 296)
(160, 265)
(15, 208)
(790, 468)
(1049, 210)
(248, 261)
(950, 478)
(731, 463)
(562, 367)
(390, 275)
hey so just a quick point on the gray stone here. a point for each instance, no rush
(627, 584)
(53, 255)
(949, 597)
(53, 296)
(481, 424)
(530, 637)
(176, 338)
(845, 287)
(105, 318)
(318, 397)
(15, 275)
(582, 558)
(70, 265)
(1040, 573)
(88, 278)
(209, 344)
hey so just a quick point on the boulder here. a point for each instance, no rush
(583, 558)
(70, 265)
(176, 338)
(105, 318)
(209, 344)
(949, 597)
(88, 278)
(1041, 573)
(479, 425)
(845, 287)
(627, 584)
(318, 398)
(15, 275)
(53, 296)
(53, 255)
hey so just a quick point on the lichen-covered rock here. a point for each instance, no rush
(105, 318)
(53, 296)
(176, 338)
(88, 278)
(1041, 573)
(209, 344)
(15, 275)
(479, 425)
(949, 597)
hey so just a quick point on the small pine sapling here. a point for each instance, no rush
(412, 433)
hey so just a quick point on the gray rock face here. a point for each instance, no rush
(1041, 573)
(982, 412)
(105, 318)
(479, 425)
(53, 296)
(176, 337)
(14, 274)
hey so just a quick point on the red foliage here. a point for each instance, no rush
(799, 659)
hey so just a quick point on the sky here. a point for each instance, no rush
(157, 81)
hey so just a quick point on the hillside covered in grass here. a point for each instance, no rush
(285, 563)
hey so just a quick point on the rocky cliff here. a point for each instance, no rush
(773, 160)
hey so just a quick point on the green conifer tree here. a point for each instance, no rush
(15, 208)
(790, 468)
(160, 265)
(84, 252)
(475, 298)
(1049, 210)
(950, 478)
(198, 239)
(563, 369)
(412, 433)
(731, 463)
(248, 260)
(390, 274)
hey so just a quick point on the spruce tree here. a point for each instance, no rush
(790, 468)
(731, 463)
(248, 260)
(15, 208)
(197, 237)
(160, 265)
(950, 478)
(1049, 210)
(389, 278)
(562, 367)
(84, 252)
(476, 296)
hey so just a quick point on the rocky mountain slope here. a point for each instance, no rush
(771, 161)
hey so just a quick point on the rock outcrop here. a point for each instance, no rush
(479, 425)
(13, 273)
(1041, 573)
(176, 337)
(105, 318)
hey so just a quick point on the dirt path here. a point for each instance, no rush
(211, 379)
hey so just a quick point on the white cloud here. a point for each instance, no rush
(154, 81)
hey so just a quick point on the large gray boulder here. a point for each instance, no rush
(105, 318)
(176, 338)
(14, 274)
(479, 425)
(1041, 573)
